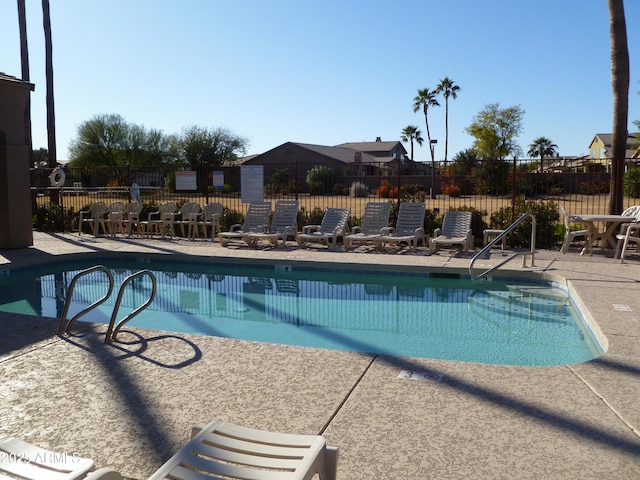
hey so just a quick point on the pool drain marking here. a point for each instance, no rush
(424, 376)
(620, 307)
(284, 268)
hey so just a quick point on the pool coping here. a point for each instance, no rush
(580, 417)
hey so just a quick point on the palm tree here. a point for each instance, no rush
(620, 85)
(447, 88)
(427, 98)
(411, 133)
(542, 147)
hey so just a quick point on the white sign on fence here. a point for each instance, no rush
(252, 183)
(186, 180)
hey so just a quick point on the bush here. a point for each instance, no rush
(49, 218)
(321, 180)
(358, 190)
(452, 190)
(339, 189)
(230, 217)
(632, 183)
(314, 217)
(547, 235)
(384, 190)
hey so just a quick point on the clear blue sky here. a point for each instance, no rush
(325, 72)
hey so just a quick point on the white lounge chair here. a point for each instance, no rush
(256, 220)
(571, 235)
(409, 226)
(375, 223)
(334, 223)
(224, 450)
(94, 217)
(456, 230)
(19, 459)
(284, 224)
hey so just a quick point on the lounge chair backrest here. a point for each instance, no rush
(456, 223)
(410, 218)
(257, 217)
(285, 216)
(376, 217)
(335, 219)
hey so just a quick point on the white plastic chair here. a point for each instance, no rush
(94, 217)
(571, 235)
(19, 459)
(334, 223)
(284, 224)
(187, 215)
(210, 218)
(131, 218)
(456, 230)
(256, 220)
(224, 450)
(159, 220)
(375, 223)
(409, 226)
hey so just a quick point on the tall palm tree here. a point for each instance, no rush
(427, 98)
(447, 88)
(51, 126)
(620, 85)
(24, 61)
(411, 133)
(542, 147)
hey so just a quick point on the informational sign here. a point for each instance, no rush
(218, 180)
(186, 180)
(252, 183)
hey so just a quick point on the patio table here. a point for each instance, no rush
(608, 234)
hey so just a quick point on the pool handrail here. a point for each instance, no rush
(63, 325)
(112, 331)
(499, 238)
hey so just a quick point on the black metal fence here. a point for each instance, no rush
(349, 187)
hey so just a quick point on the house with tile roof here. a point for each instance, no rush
(357, 159)
(600, 150)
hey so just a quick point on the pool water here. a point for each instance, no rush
(404, 314)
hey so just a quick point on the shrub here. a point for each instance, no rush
(339, 189)
(321, 179)
(547, 235)
(452, 190)
(313, 217)
(49, 218)
(358, 190)
(230, 217)
(632, 183)
(384, 190)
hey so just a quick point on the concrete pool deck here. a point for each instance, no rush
(131, 404)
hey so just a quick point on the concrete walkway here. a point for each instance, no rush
(130, 405)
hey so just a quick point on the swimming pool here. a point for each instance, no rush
(396, 313)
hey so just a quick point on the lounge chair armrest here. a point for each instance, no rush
(235, 226)
(387, 230)
(311, 228)
(104, 474)
(437, 232)
(355, 229)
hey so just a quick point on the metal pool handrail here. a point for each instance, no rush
(112, 331)
(499, 238)
(97, 268)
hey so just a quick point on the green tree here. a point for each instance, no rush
(218, 146)
(620, 86)
(411, 133)
(542, 147)
(109, 141)
(447, 88)
(40, 157)
(321, 179)
(465, 162)
(495, 130)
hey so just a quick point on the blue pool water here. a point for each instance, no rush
(430, 316)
